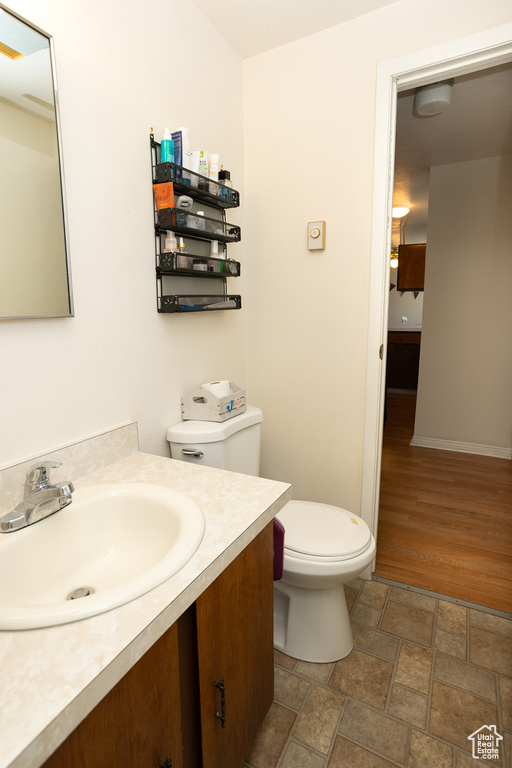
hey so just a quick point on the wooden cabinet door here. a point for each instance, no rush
(411, 267)
(235, 644)
(403, 362)
(137, 724)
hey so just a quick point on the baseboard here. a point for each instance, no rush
(442, 596)
(452, 445)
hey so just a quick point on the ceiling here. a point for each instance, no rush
(477, 124)
(254, 26)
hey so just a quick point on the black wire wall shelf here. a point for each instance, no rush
(194, 225)
(188, 182)
(175, 303)
(195, 265)
(197, 228)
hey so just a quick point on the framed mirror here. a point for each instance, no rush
(35, 277)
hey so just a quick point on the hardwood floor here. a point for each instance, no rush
(445, 518)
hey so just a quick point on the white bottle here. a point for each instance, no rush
(170, 246)
(194, 167)
(201, 223)
(214, 174)
(214, 254)
(170, 243)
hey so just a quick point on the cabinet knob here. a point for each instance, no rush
(222, 714)
(166, 763)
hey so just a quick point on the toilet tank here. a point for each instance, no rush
(233, 444)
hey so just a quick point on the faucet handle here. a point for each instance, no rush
(38, 475)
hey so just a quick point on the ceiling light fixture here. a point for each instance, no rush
(11, 53)
(399, 211)
(434, 99)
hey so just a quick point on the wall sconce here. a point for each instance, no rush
(399, 211)
(394, 258)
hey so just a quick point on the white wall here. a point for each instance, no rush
(404, 304)
(465, 381)
(126, 66)
(123, 67)
(309, 133)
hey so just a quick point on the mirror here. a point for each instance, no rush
(35, 279)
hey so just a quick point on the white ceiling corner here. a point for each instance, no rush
(255, 26)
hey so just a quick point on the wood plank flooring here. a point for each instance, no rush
(445, 518)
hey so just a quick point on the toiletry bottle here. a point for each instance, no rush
(182, 136)
(226, 185)
(182, 260)
(164, 195)
(167, 148)
(194, 167)
(214, 174)
(203, 169)
(183, 203)
(201, 223)
(214, 254)
(170, 246)
(178, 148)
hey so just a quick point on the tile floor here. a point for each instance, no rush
(425, 673)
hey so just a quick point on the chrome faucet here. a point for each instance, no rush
(40, 498)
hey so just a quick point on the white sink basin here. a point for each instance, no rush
(121, 540)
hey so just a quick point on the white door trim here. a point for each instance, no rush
(469, 54)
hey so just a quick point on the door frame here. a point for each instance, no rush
(468, 54)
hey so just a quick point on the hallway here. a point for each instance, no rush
(445, 518)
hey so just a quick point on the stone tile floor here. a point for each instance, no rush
(425, 674)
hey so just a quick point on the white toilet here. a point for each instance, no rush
(325, 546)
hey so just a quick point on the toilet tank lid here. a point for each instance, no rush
(213, 431)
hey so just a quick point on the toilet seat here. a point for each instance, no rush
(323, 532)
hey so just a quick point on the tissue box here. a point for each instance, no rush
(201, 405)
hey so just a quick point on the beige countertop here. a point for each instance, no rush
(52, 678)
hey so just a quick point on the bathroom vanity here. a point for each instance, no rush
(183, 673)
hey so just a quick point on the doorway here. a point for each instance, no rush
(464, 56)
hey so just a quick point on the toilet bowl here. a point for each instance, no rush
(324, 547)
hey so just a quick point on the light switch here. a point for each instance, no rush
(316, 235)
